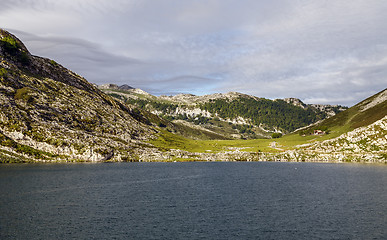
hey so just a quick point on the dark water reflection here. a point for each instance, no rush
(193, 201)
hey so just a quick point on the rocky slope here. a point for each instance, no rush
(48, 113)
(362, 114)
(361, 137)
(364, 144)
(372, 139)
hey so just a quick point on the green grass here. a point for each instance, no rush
(169, 140)
(353, 118)
(3, 72)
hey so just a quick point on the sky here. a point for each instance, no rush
(325, 52)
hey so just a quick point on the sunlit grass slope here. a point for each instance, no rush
(169, 140)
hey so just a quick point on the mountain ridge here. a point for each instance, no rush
(223, 107)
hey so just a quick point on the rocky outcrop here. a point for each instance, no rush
(329, 110)
(124, 87)
(296, 102)
(372, 102)
(370, 139)
(48, 113)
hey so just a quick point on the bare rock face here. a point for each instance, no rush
(49, 113)
(296, 102)
(378, 99)
(124, 87)
(108, 86)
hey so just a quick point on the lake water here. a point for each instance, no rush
(218, 200)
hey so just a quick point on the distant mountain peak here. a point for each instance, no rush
(108, 86)
(125, 87)
(115, 86)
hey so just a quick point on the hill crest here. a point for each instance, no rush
(249, 116)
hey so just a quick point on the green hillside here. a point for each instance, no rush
(278, 113)
(231, 115)
(362, 114)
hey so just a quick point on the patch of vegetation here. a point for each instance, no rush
(24, 94)
(167, 140)
(36, 135)
(32, 152)
(138, 115)
(3, 72)
(20, 148)
(350, 119)
(13, 49)
(9, 157)
(54, 63)
(276, 135)
(273, 113)
(10, 45)
(369, 116)
(194, 133)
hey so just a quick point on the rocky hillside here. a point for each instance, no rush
(363, 144)
(358, 134)
(48, 113)
(371, 138)
(362, 114)
(234, 115)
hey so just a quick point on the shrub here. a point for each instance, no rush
(10, 45)
(54, 63)
(24, 59)
(3, 72)
(160, 124)
(23, 94)
(276, 135)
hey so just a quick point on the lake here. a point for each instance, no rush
(193, 200)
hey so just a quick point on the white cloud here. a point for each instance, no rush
(328, 51)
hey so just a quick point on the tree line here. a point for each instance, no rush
(277, 113)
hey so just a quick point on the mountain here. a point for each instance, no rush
(363, 144)
(234, 115)
(49, 113)
(114, 86)
(358, 134)
(362, 114)
(368, 143)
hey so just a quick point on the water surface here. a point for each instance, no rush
(193, 201)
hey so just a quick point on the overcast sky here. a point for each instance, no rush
(330, 52)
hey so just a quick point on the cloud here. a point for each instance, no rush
(191, 84)
(79, 55)
(329, 52)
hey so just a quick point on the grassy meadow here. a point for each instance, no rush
(167, 140)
